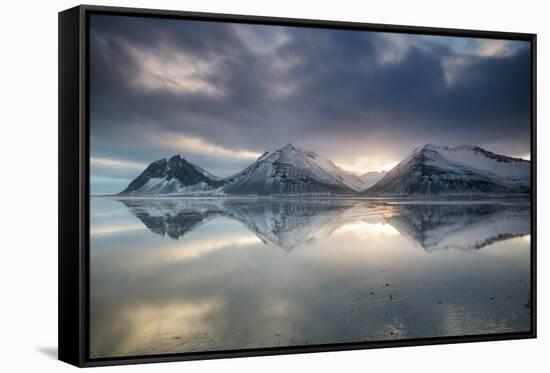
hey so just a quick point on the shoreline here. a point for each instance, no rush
(302, 198)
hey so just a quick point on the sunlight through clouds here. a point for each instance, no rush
(179, 73)
(187, 144)
(362, 165)
(116, 163)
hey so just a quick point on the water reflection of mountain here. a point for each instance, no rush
(293, 223)
(460, 226)
(170, 218)
(284, 223)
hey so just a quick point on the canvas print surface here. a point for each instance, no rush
(259, 186)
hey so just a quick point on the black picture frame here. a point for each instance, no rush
(73, 250)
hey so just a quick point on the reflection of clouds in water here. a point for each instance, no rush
(219, 287)
(165, 328)
(113, 229)
(364, 230)
(197, 248)
(199, 245)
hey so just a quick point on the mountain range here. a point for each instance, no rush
(464, 170)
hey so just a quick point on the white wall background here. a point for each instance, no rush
(28, 184)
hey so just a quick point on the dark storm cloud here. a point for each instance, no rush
(488, 94)
(220, 93)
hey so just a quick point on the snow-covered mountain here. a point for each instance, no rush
(172, 177)
(291, 170)
(461, 170)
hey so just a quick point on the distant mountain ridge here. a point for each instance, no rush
(428, 170)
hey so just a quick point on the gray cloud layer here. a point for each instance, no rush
(220, 93)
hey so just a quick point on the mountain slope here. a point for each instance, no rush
(372, 177)
(290, 170)
(349, 179)
(173, 176)
(461, 170)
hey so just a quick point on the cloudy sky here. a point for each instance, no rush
(220, 94)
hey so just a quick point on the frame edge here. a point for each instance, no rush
(72, 166)
(69, 149)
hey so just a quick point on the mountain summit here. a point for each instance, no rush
(460, 170)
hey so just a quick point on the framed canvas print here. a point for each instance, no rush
(238, 186)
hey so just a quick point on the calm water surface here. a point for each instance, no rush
(184, 275)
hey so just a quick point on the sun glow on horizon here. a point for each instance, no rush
(363, 165)
(388, 166)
